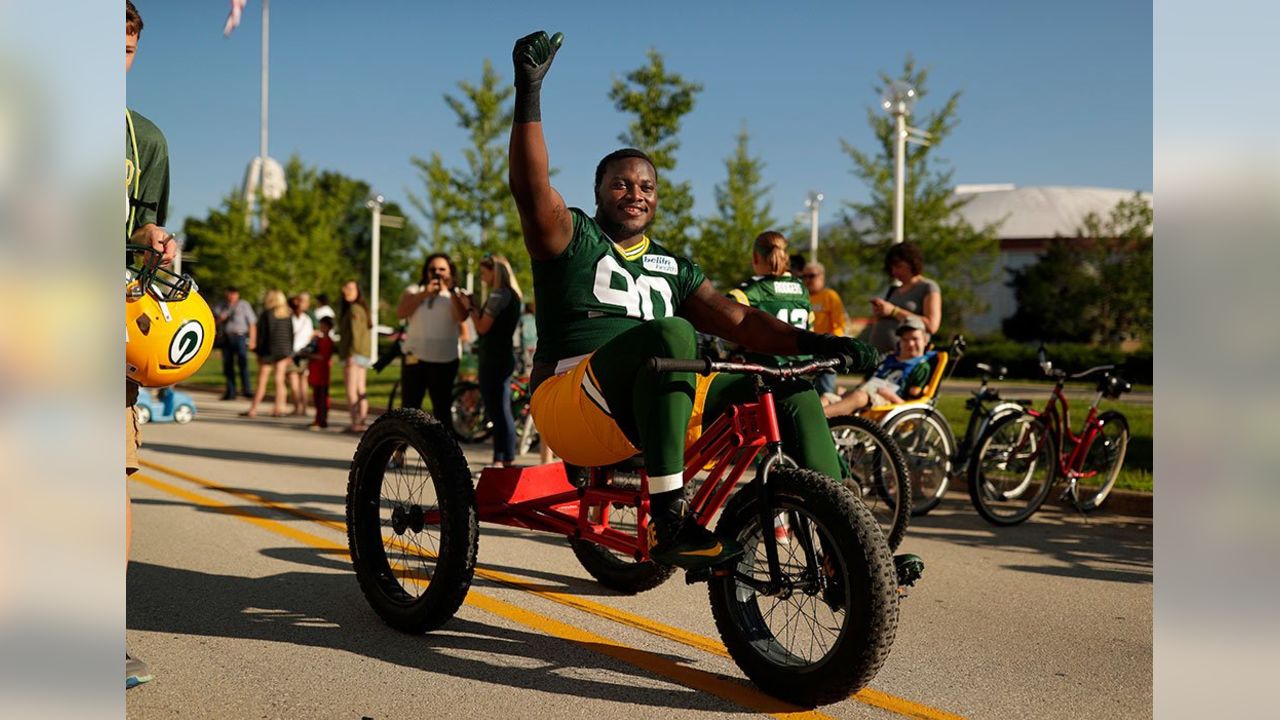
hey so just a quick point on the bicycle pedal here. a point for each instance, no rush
(910, 568)
(705, 574)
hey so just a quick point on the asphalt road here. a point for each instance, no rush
(242, 599)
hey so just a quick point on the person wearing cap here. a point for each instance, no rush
(828, 316)
(901, 377)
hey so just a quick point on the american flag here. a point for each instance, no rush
(233, 18)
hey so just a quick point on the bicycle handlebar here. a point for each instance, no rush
(1091, 371)
(706, 366)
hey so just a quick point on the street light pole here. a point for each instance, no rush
(899, 174)
(813, 202)
(897, 101)
(262, 132)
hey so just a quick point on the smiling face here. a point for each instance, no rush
(350, 291)
(911, 344)
(627, 198)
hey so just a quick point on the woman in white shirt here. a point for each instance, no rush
(434, 311)
(303, 331)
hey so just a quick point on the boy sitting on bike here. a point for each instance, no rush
(899, 378)
(608, 298)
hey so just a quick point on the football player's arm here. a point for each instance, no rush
(544, 219)
(756, 330)
(716, 314)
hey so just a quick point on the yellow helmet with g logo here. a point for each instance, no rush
(168, 326)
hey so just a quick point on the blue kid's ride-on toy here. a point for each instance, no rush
(167, 405)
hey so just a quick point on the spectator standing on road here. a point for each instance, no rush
(828, 316)
(355, 347)
(319, 360)
(274, 348)
(434, 311)
(237, 331)
(303, 333)
(496, 324)
(910, 295)
(146, 177)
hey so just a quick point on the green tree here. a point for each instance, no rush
(318, 236)
(959, 256)
(658, 100)
(469, 209)
(723, 245)
(1095, 287)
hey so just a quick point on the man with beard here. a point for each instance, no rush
(608, 298)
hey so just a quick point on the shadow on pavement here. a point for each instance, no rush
(1107, 549)
(327, 610)
(555, 582)
(248, 456)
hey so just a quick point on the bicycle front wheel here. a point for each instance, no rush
(1103, 461)
(928, 446)
(824, 633)
(411, 521)
(1013, 469)
(877, 473)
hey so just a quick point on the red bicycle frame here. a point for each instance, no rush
(542, 498)
(1058, 424)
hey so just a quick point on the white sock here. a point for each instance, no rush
(665, 483)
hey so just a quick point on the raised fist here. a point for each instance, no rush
(532, 57)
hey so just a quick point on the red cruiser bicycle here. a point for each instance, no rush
(808, 612)
(1021, 455)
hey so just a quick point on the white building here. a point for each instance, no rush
(1033, 217)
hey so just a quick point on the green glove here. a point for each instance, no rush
(532, 58)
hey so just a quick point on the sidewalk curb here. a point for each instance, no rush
(1119, 502)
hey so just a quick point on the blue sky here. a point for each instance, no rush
(1053, 93)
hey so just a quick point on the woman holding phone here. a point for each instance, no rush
(910, 294)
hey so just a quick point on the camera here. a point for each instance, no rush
(435, 274)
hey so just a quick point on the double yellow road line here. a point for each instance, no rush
(743, 695)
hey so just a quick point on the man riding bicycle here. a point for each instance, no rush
(608, 298)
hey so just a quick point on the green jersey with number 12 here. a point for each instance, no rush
(595, 290)
(783, 297)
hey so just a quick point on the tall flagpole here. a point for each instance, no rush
(262, 137)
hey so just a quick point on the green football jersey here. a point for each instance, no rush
(783, 297)
(594, 290)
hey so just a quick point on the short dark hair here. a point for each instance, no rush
(326, 320)
(322, 298)
(622, 154)
(132, 20)
(907, 252)
(232, 289)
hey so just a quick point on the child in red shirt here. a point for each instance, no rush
(321, 353)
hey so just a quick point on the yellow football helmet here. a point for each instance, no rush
(168, 326)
